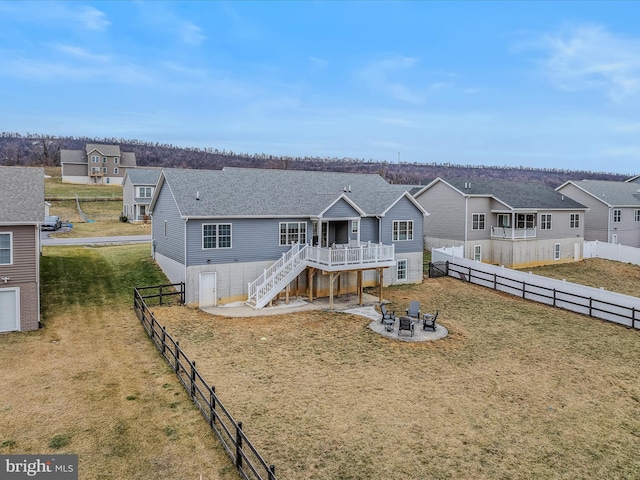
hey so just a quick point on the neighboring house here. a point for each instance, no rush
(248, 234)
(21, 213)
(614, 209)
(137, 189)
(515, 224)
(96, 164)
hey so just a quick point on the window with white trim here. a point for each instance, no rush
(216, 235)
(504, 220)
(6, 250)
(636, 215)
(355, 224)
(477, 253)
(104, 169)
(95, 159)
(556, 251)
(401, 269)
(402, 230)
(545, 221)
(116, 159)
(143, 210)
(574, 220)
(115, 170)
(477, 221)
(145, 192)
(104, 159)
(293, 232)
(617, 215)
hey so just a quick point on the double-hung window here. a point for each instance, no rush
(636, 215)
(477, 221)
(617, 215)
(144, 192)
(216, 235)
(95, 159)
(402, 230)
(354, 226)
(6, 252)
(293, 232)
(545, 221)
(574, 220)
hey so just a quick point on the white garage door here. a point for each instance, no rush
(9, 306)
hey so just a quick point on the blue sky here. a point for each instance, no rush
(536, 84)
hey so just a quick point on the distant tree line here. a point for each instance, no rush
(38, 149)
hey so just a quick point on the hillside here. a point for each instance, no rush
(37, 149)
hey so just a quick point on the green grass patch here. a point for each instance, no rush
(59, 441)
(101, 275)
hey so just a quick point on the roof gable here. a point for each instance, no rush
(609, 192)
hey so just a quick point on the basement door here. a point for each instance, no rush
(9, 309)
(208, 289)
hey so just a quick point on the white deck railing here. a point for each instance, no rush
(513, 233)
(283, 271)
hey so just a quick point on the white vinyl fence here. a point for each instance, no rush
(595, 302)
(612, 251)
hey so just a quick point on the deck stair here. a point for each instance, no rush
(275, 278)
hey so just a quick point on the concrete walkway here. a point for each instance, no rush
(346, 304)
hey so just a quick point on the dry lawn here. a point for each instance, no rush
(517, 390)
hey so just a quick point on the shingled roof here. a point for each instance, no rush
(21, 195)
(248, 192)
(610, 192)
(143, 176)
(515, 195)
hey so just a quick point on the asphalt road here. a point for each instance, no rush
(47, 242)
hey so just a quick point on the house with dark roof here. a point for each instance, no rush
(251, 234)
(21, 213)
(614, 209)
(137, 189)
(502, 222)
(96, 164)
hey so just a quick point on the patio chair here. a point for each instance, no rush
(429, 322)
(405, 323)
(414, 309)
(386, 315)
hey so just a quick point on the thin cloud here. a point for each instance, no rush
(590, 57)
(80, 53)
(379, 75)
(191, 33)
(92, 18)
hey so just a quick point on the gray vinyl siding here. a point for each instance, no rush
(340, 210)
(403, 210)
(560, 225)
(252, 240)
(127, 197)
(627, 230)
(595, 219)
(479, 205)
(446, 213)
(369, 230)
(166, 210)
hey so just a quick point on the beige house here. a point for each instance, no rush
(21, 213)
(96, 164)
(515, 224)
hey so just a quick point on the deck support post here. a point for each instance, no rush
(359, 282)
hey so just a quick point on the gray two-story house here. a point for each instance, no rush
(515, 224)
(21, 213)
(96, 165)
(614, 209)
(249, 234)
(137, 189)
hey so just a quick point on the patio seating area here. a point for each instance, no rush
(418, 327)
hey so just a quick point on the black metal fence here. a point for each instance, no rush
(246, 458)
(584, 304)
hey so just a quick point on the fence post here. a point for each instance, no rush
(177, 367)
(160, 294)
(447, 268)
(182, 292)
(554, 297)
(164, 338)
(633, 317)
(590, 306)
(272, 472)
(212, 406)
(524, 289)
(239, 446)
(495, 281)
(193, 379)
(469, 274)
